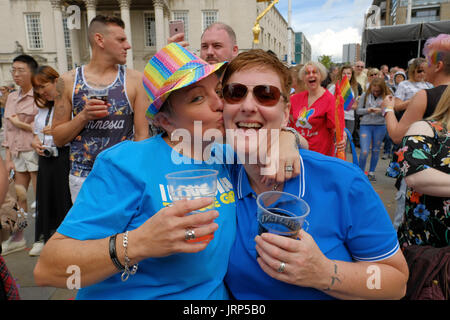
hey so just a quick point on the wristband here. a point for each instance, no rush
(386, 110)
(296, 134)
(113, 253)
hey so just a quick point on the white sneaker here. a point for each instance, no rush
(36, 250)
(9, 246)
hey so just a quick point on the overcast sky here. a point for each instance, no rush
(327, 24)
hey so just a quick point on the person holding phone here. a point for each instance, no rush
(373, 127)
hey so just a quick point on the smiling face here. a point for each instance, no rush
(46, 90)
(248, 120)
(312, 77)
(347, 72)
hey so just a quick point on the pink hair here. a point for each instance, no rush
(441, 43)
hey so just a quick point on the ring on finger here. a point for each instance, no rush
(189, 235)
(281, 267)
(289, 168)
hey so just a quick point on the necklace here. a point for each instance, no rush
(275, 186)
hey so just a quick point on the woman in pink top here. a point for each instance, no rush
(313, 111)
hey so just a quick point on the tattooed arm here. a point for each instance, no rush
(307, 266)
(64, 127)
(140, 103)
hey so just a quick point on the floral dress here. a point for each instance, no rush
(427, 218)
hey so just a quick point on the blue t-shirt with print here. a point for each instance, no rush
(126, 187)
(347, 220)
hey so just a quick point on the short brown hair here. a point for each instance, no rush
(260, 59)
(222, 26)
(99, 24)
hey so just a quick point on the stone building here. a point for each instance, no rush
(54, 32)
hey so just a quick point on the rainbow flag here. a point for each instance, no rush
(347, 93)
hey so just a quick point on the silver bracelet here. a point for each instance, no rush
(296, 134)
(127, 272)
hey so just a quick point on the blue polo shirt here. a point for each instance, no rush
(347, 220)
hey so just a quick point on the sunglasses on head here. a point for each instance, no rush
(266, 95)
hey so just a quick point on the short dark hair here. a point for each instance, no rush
(98, 24)
(29, 60)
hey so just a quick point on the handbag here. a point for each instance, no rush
(429, 272)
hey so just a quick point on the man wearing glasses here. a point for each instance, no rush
(20, 110)
(360, 75)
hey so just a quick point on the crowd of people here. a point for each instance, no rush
(96, 143)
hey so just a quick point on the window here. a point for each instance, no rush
(149, 29)
(425, 15)
(66, 34)
(209, 17)
(183, 15)
(34, 31)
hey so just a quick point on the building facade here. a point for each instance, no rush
(351, 53)
(395, 12)
(54, 32)
(302, 48)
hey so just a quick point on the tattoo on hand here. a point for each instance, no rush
(334, 278)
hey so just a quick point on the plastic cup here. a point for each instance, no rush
(99, 94)
(281, 213)
(194, 184)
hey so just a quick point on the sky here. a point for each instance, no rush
(327, 24)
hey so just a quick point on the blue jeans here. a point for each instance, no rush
(370, 139)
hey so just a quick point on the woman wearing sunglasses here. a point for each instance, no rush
(313, 111)
(123, 232)
(408, 88)
(350, 233)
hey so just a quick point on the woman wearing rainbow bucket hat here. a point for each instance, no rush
(123, 233)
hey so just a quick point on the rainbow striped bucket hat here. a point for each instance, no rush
(172, 68)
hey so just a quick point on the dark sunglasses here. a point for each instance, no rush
(420, 71)
(266, 95)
